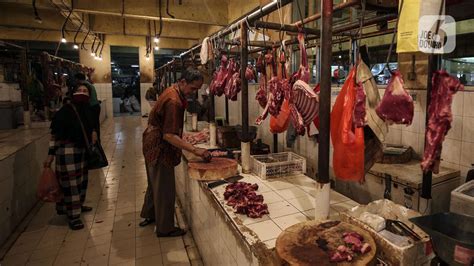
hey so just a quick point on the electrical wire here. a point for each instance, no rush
(161, 18)
(93, 44)
(393, 38)
(167, 8)
(77, 32)
(83, 41)
(101, 48)
(65, 22)
(37, 17)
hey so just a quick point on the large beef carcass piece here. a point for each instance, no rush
(261, 96)
(274, 94)
(303, 101)
(439, 118)
(397, 105)
(232, 87)
(220, 78)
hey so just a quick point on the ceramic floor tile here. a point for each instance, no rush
(291, 193)
(277, 184)
(148, 250)
(44, 253)
(336, 197)
(175, 244)
(270, 243)
(247, 220)
(265, 230)
(42, 262)
(303, 203)
(271, 197)
(289, 220)
(175, 256)
(123, 256)
(281, 208)
(155, 260)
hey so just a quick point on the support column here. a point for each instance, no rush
(102, 76)
(245, 142)
(323, 184)
(147, 66)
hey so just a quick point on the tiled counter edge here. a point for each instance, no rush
(20, 172)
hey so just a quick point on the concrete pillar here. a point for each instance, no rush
(147, 66)
(102, 76)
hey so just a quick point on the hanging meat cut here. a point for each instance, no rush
(245, 200)
(249, 73)
(304, 102)
(232, 87)
(397, 105)
(360, 119)
(220, 78)
(261, 96)
(439, 118)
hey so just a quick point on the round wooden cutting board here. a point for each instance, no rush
(218, 168)
(297, 244)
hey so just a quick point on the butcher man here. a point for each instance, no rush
(162, 146)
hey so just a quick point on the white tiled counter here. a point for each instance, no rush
(226, 238)
(22, 152)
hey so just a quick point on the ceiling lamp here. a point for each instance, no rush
(76, 46)
(157, 48)
(156, 40)
(63, 40)
(147, 57)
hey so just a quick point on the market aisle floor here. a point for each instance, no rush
(112, 235)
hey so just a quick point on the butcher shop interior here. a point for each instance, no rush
(237, 132)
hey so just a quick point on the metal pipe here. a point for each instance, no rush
(244, 58)
(325, 94)
(433, 65)
(136, 16)
(336, 8)
(285, 27)
(250, 18)
(275, 143)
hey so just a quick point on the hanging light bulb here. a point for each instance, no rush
(156, 40)
(93, 54)
(99, 58)
(157, 48)
(63, 40)
(147, 57)
(76, 46)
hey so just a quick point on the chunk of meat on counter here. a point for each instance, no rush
(245, 200)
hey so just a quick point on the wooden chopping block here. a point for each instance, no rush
(296, 245)
(218, 168)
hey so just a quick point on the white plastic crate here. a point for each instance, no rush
(462, 199)
(278, 164)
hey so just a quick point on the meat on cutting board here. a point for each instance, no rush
(397, 105)
(439, 118)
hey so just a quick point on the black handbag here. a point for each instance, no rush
(95, 155)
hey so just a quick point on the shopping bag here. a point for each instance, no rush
(280, 123)
(95, 157)
(348, 141)
(48, 187)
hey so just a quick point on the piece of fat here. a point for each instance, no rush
(376, 222)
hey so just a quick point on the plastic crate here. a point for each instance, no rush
(278, 164)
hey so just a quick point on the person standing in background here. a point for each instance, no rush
(151, 96)
(93, 102)
(67, 147)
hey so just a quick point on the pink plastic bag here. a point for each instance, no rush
(48, 187)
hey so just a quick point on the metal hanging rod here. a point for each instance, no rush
(250, 18)
(285, 27)
(338, 7)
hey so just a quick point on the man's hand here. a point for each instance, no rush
(48, 161)
(203, 153)
(94, 137)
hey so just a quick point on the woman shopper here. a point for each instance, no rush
(162, 146)
(67, 147)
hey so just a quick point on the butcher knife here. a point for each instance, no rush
(231, 179)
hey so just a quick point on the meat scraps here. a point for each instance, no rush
(396, 105)
(353, 246)
(439, 118)
(245, 200)
(196, 138)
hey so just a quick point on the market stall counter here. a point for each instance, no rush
(227, 238)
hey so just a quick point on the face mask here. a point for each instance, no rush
(80, 98)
